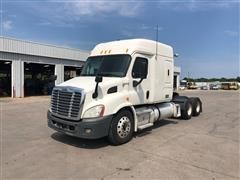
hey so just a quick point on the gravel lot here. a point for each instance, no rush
(205, 147)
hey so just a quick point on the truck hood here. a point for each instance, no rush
(88, 83)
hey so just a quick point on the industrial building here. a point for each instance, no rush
(28, 68)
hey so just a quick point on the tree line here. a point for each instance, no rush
(223, 79)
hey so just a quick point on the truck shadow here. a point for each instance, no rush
(99, 143)
(80, 143)
(157, 124)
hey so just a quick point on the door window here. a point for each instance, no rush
(140, 68)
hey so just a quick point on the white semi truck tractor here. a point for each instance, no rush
(125, 86)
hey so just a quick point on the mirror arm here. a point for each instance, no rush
(98, 79)
(95, 94)
(135, 83)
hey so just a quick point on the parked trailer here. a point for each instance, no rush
(192, 85)
(125, 86)
(230, 86)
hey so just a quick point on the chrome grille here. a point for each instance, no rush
(66, 102)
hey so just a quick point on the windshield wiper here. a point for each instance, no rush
(87, 74)
(107, 74)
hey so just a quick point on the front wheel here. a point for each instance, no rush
(121, 129)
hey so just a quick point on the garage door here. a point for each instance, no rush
(71, 72)
(38, 79)
(5, 78)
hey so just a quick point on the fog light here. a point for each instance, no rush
(88, 130)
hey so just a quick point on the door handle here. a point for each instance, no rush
(147, 94)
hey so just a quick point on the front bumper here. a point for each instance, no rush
(93, 129)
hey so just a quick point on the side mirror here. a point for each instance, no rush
(136, 83)
(98, 79)
(140, 70)
(143, 75)
(140, 75)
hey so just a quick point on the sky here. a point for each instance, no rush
(204, 33)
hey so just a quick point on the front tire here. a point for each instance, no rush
(121, 129)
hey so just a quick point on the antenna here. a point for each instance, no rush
(156, 42)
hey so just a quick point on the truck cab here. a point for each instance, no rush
(125, 86)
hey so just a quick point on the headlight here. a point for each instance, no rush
(96, 111)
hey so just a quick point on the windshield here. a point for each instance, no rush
(110, 66)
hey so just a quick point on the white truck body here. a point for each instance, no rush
(157, 81)
(148, 101)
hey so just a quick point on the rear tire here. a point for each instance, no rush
(121, 129)
(197, 106)
(187, 110)
(175, 94)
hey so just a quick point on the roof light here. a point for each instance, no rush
(126, 50)
(109, 51)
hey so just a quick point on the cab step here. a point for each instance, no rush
(145, 126)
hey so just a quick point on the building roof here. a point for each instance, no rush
(38, 49)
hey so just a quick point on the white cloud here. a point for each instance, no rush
(58, 22)
(144, 27)
(158, 28)
(139, 31)
(44, 23)
(65, 13)
(101, 7)
(127, 33)
(197, 5)
(231, 33)
(7, 25)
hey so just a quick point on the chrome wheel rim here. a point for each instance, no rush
(198, 107)
(189, 111)
(123, 127)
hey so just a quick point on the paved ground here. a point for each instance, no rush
(205, 147)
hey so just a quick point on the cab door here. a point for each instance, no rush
(140, 85)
